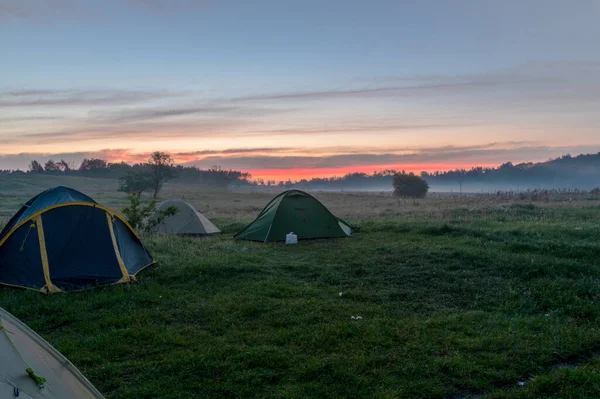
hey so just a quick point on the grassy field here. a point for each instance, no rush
(467, 296)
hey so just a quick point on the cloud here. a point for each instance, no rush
(100, 132)
(285, 158)
(344, 150)
(234, 151)
(162, 123)
(142, 114)
(358, 128)
(530, 97)
(446, 84)
(31, 118)
(40, 10)
(106, 97)
(528, 91)
(145, 114)
(168, 6)
(474, 155)
(322, 157)
(44, 10)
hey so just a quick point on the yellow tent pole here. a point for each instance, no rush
(51, 288)
(126, 277)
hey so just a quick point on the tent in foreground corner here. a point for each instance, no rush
(187, 221)
(298, 212)
(62, 240)
(26, 360)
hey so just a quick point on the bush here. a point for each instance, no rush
(145, 218)
(409, 185)
(136, 183)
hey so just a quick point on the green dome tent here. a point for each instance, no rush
(62, 240)
(31, 368)
(298, 212)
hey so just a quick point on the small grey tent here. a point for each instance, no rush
(187, 221)
(30, 368)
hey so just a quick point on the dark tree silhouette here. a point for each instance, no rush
(36, 167)
(93, 165)
(409, 186)
(135, 177)
(64, 166)
(52, 167)
(161, 167)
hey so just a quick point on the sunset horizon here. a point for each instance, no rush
(290, 173)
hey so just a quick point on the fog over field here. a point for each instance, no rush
(452, 295)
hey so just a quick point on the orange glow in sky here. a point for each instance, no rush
(309, 173)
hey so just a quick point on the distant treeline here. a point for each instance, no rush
(100, 168)
(582, 171)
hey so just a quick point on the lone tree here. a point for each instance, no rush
(409, 185)
(36, 167)
(65, 166)
(162, 170)
(149, 176)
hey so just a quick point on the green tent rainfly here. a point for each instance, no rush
(31, 368)
(62, 240)
(298, 212)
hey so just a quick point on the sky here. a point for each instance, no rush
(295, 89)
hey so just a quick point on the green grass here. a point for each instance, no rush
(465, 304)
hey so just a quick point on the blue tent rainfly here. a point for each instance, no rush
(63, 240)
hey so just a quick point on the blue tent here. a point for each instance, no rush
(62, 240)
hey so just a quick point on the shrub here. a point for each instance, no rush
(145, 218)
(136, 183)
(409, 185)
